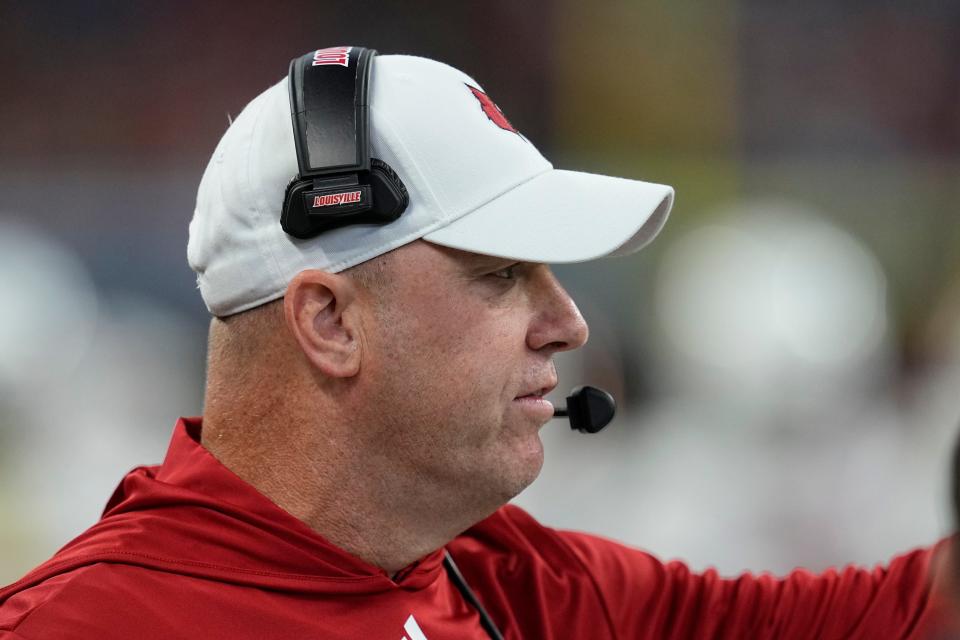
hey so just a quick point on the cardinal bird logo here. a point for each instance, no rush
(492, 110)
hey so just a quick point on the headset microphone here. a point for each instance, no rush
(589, 409)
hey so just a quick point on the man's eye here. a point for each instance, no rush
(507, 273)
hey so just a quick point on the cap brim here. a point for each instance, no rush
(562, 216)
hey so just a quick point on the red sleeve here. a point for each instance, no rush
(645, 598)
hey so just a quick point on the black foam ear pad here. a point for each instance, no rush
(389, 193)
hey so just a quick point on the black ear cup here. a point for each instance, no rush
(387, 200)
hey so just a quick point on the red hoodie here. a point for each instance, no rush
(188, 550)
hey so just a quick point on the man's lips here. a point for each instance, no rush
(534, 402)
(538, 391)
(539, 407)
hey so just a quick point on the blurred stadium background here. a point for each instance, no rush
(786, 355)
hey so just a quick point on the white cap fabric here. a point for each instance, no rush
(474, 184)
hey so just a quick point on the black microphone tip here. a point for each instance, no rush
(590, 409)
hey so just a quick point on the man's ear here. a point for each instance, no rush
(317, 309)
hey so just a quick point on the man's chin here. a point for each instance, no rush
(527, 463)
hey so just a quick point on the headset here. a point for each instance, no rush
(339, 184)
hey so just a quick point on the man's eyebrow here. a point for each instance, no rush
(482, 262)
(485, 260)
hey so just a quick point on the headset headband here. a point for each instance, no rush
(328, 100)
(339, 183)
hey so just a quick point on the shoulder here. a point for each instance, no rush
(101, 600)
(50, 607)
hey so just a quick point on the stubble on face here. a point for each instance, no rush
(448, 357)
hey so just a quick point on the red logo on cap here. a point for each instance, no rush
(334, 199)
(332, 55)
(492, 110)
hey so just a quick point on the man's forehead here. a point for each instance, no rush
(483, 259)
(425, 262)
(421, 253)
(468, 258)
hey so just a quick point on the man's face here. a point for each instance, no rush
(459, 349)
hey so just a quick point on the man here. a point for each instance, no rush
(374, 396)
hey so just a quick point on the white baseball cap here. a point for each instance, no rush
(474, 183)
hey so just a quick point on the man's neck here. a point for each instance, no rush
(384, 519)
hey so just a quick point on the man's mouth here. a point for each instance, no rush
(533, 401)
(539, 391)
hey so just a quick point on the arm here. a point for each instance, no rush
(645, 598)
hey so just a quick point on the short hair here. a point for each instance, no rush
(372, 274)
(239, 338)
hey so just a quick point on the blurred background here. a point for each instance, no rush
(786, 355)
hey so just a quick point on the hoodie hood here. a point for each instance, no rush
(193, 516)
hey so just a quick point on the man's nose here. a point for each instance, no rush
(557, 325)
